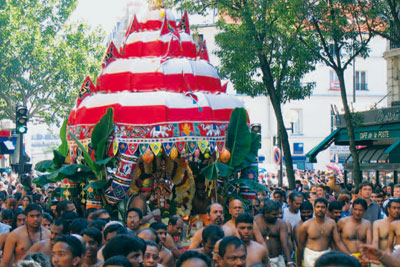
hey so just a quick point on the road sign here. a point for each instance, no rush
(277, 156)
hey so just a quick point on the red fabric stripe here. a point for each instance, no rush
(5, 133)
(144, 115)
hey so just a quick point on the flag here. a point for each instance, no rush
(203, 53)
(112, 54)
(184, 23)
(133, 27)
(86, 89)
(167, 28)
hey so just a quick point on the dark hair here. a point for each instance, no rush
(395, 200)
(78, 225)
(28, 197)
(138, 211)
(17, 195)
(39, 257)
(334, 205)
(270, 205)
(321, 200)
(158, 225)
(173, 220)
(62, 205)
(336, 258)
(362, 202)
(123, 245)
(93, 233)
(88, 212)
(99, 224)
(193, 255)
(229, 240)
(7, 214)
(366, 183)
(64, 224)
(151, 243)
(69, 215)
(244, 218)
(114, 227)
(212, 233)
(306, 205)
(117, 261)
(47, 216)
(295, 194)
(151, 230)
(73, 243)
(17, 212)
(280, 192)
(37, 197)
(97, 213)
(32, 207)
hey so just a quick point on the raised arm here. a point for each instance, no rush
(196, 241)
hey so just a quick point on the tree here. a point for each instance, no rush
(389, 14)
(335, 31)
(44, 59)
(260, 54)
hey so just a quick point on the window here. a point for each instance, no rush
(361, 80)
(334, 81)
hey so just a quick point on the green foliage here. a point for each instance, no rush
(253, 153)
(215, 170)
(254, 186)
(43, 57)
(239, 138)
(389, 19)
(44, 166)
(101, 133)
(63, 148)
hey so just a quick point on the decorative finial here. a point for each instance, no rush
(156, 4)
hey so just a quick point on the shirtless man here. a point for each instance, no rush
(167, 259)
(215, 213)
(380, 229)
(57, 229)
(354, 230)
(306, 213)
(211, 234)
(394, 231)
(315, 236)
(256, 253)
(235, 208)
(274, 230)
(21, 239)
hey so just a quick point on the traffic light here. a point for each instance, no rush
(21, 120)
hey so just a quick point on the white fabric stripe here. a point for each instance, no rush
(136, 65)
(171, 66)
(153, 36)
(168, 99)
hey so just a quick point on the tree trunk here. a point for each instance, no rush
(350, 129)
(284, 139)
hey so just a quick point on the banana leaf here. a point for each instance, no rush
(58, 159)
(96, 185)
(73, 172)
(95, 168)
(101, 133)
(45, 166)
(254, 186)
(239, 138)
(104, 161)
(63, 148)
(42, 180)
(253, 153)
(215, 170)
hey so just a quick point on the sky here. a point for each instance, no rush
(100, 12)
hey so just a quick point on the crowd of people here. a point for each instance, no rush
(313, 225)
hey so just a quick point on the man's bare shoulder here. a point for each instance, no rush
(256, 245)
(365, 222)
(228, 224)
(258, 217)
(378, 223)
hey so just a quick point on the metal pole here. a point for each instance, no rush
(21, 157)
(354, 80)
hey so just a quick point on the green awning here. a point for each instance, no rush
(392, 147)
(312, 154)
